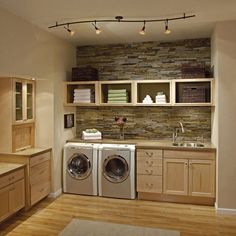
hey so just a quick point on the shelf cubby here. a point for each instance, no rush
(151, 88)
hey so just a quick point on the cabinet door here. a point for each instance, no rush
(202, 178)
(17, 196)
(23, 103)
(18, 101)
(4, 203)
(175, 176)
(29, 111)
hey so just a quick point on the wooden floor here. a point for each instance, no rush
(50, 216)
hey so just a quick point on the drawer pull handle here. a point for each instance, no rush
(11, 178)
(150, 172)
(149, 185)
(149, 163)
(149, 154)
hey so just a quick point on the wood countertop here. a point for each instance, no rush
(30, 152)
(8, 167)
(141, 143)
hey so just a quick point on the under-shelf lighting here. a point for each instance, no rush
(120, 19)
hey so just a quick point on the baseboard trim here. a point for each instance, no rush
(226, 211)
(56, 194)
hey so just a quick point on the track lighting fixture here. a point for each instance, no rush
(167, 30)
(98, 31)
(119, 19)
(71, 32)
(142, 31)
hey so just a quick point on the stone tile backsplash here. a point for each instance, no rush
(146, 122)
(149, 60)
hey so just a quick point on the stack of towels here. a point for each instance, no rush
(160, 98)
(117, 96)
(147, 99)
(89, 134)
(82, 95)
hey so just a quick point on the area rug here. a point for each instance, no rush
(97, 228)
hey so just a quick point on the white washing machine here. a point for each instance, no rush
(116, 171)
(80, 168)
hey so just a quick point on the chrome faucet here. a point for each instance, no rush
(176, 129)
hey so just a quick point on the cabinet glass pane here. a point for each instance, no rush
(29, 101)
(18, 101)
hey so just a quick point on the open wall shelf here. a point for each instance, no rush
(181, 92)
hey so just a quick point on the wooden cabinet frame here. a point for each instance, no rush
(134, 87)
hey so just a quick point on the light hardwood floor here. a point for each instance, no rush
(50, 216)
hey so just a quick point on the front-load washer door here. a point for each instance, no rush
(115, 168)
(79, 166)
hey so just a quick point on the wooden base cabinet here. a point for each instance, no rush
(189, 176)
(149, 170)
(38, 173)
(12, 194)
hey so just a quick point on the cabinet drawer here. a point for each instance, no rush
(39, 191)
(39, 158)
(149, 170)
(11, 178)
(40, 173)
(149, 153)
(151, 184)
(189, 155)
(149, 162)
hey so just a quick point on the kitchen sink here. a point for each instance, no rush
(187, 144)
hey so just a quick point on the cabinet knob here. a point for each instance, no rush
(149, 185)
(149, 171)
(149, 154)
(186, 163)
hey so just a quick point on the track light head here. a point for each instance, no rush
(71, 32)
(167, 30)
(97, 30)
(142, 31)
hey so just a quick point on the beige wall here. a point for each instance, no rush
(28, 51)
(224, 122)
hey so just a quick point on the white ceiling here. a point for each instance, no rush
(44, 13)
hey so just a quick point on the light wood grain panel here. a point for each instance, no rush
(50, 216)
(11, 177)
(4, 203)
(39, 191)
(148, 183)
(40, 173)
(202, 178)
(17, 196)
(189, 154)
(149, 153)
(40, 158)
(175, 176)
(149, 170)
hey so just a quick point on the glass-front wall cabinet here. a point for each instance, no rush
(23, 101)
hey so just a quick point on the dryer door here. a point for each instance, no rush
(115, 169)
(79, 166)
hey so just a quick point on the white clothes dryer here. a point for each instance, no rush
(116, 171)
(80, 168)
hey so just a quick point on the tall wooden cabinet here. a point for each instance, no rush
(17, 105)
